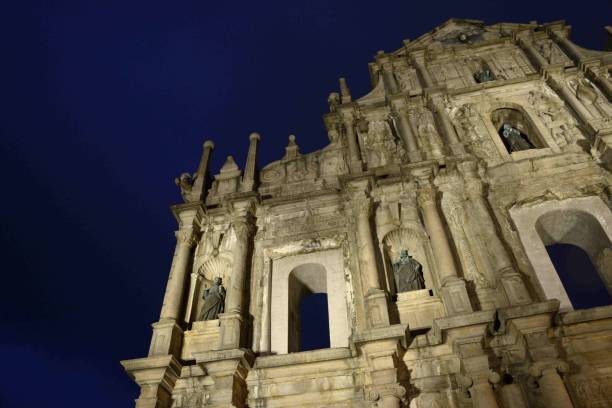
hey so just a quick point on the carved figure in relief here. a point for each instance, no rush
(214, 301)
(408, 273)
(561, 125)
(185, 183)
(333, 100)
(406, 79)
(516, 141)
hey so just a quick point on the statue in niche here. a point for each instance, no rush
(408, 273)
(484, 75)
(214, 301)
(515, 139)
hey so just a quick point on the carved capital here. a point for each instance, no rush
(426, 195)
(186, 236)
(242, 228)
(540, 368)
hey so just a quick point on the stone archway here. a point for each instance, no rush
(297, 275)
(584, 222)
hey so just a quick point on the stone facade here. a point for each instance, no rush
(419, 164)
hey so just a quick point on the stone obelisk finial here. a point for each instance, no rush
(248, 179)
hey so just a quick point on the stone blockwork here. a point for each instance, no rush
(423, 163)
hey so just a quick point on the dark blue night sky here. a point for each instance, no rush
(105, 102)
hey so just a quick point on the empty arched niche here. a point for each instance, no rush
(578, 227)
(295, 278)
(515, 130)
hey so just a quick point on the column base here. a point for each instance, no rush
(377, 308)
(514, 289)
(356, 166)
(156, 377)
(167, 338)
(232, 333)
(455, 296)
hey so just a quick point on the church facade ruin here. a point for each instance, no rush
(426, 223)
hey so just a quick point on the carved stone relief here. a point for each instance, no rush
(551, 52)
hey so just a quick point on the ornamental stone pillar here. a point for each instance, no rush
(533, 54)
(512, 282)
(559, 85)
(554, 393)
(173, 298)
(601, 77)
(231, 321)
(512, 396)
(567, 46)
(167, 334)
(480, 388)
(387, 76)
(376, 298)
(355, 164)
(248, 179)
(444, 122)
(418, 60)
(452, 287)
(400, 117)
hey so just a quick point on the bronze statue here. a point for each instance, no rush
(214, 301)
(408, 273)
(515, 139)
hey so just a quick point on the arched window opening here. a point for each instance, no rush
(484, 74)
(515, 130)
(306, 283)
(581, 253)
(314, 322)
(579, 276)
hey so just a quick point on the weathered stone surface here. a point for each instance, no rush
(419, 164)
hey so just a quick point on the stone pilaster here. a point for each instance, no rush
(559, 85)
(156, 377)
(512, 283)
(403, 126)
(450, 134)
(355, 163)
(452, 287)
(232, 331)
(533, 54)
(554, 393)
(600, 76)
(228, 369)
(376, 298)
(418, 60)
(480, 388)
(248, 179)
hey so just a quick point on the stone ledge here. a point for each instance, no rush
(151, 362)
(313, 356)
(586, 315)
(381, 333)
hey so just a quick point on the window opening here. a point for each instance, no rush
(314, 322)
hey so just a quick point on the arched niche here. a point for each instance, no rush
(295, 276)
(519, 120)
(584, 222)
(216, 266)
(417, 245)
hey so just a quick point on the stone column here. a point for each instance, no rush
(175, 288)
(405, 131)
(387, 74)
(418, 59)
(554, 393)
(568, 95)
(453, 288)
(513, 285)
(567, 46)
(355, 164)
(600, 77)
(447, 126)
(482, 393)
(376, 298)
(248, 179)
(199, 185)
(512, 396)
(533, 54)
(231, 321)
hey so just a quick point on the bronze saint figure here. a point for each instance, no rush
(214, 301)
(515, 139)
(408, 273)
